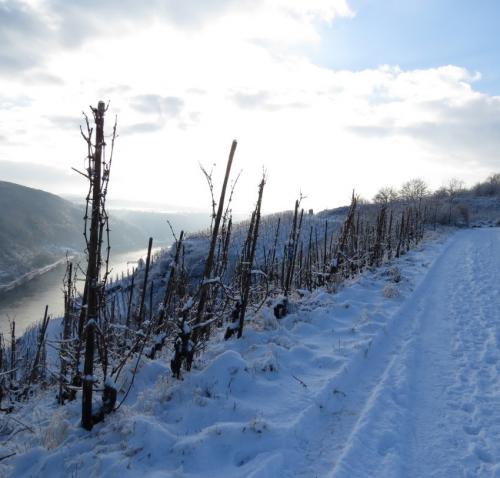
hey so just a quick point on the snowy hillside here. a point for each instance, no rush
(395, 375)
(37, 229)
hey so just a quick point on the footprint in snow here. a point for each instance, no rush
(483, 454)
(472, 429)
(491, 359)
(468, 407)
(387, 442)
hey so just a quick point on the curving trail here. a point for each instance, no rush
(429, 404)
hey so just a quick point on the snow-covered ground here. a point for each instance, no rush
(395, 375)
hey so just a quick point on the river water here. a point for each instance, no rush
(26, 303)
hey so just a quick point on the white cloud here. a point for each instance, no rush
(183, 90)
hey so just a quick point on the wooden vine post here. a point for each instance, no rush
(249, 259)
(93, 267)
(207, 272)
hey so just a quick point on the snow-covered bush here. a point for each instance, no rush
(267, 320)
(269, 363)
(395, 274)
(390, 291)
(57, 430)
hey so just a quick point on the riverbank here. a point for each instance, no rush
(34, 273)
(25, 301)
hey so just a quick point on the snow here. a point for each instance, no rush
(258, 272)
(189, 303)
(110, 384)
(23, 278)
(361, 383)
(211, 281)
(433, 404)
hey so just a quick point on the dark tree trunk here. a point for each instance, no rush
(93, 269)
(207, 272)
(13, 351)
(249, 259)
(145, 283)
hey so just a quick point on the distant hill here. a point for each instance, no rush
(156, 223)
(37, 228)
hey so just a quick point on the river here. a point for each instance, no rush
(26, 303)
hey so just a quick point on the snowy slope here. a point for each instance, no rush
(395, 375)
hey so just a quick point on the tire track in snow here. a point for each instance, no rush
(365, 385)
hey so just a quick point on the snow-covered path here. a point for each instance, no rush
(435, 408)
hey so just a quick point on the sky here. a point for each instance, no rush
(326, 95)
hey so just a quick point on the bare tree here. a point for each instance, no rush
(386, 195)
(454, 187)
(414, 190)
